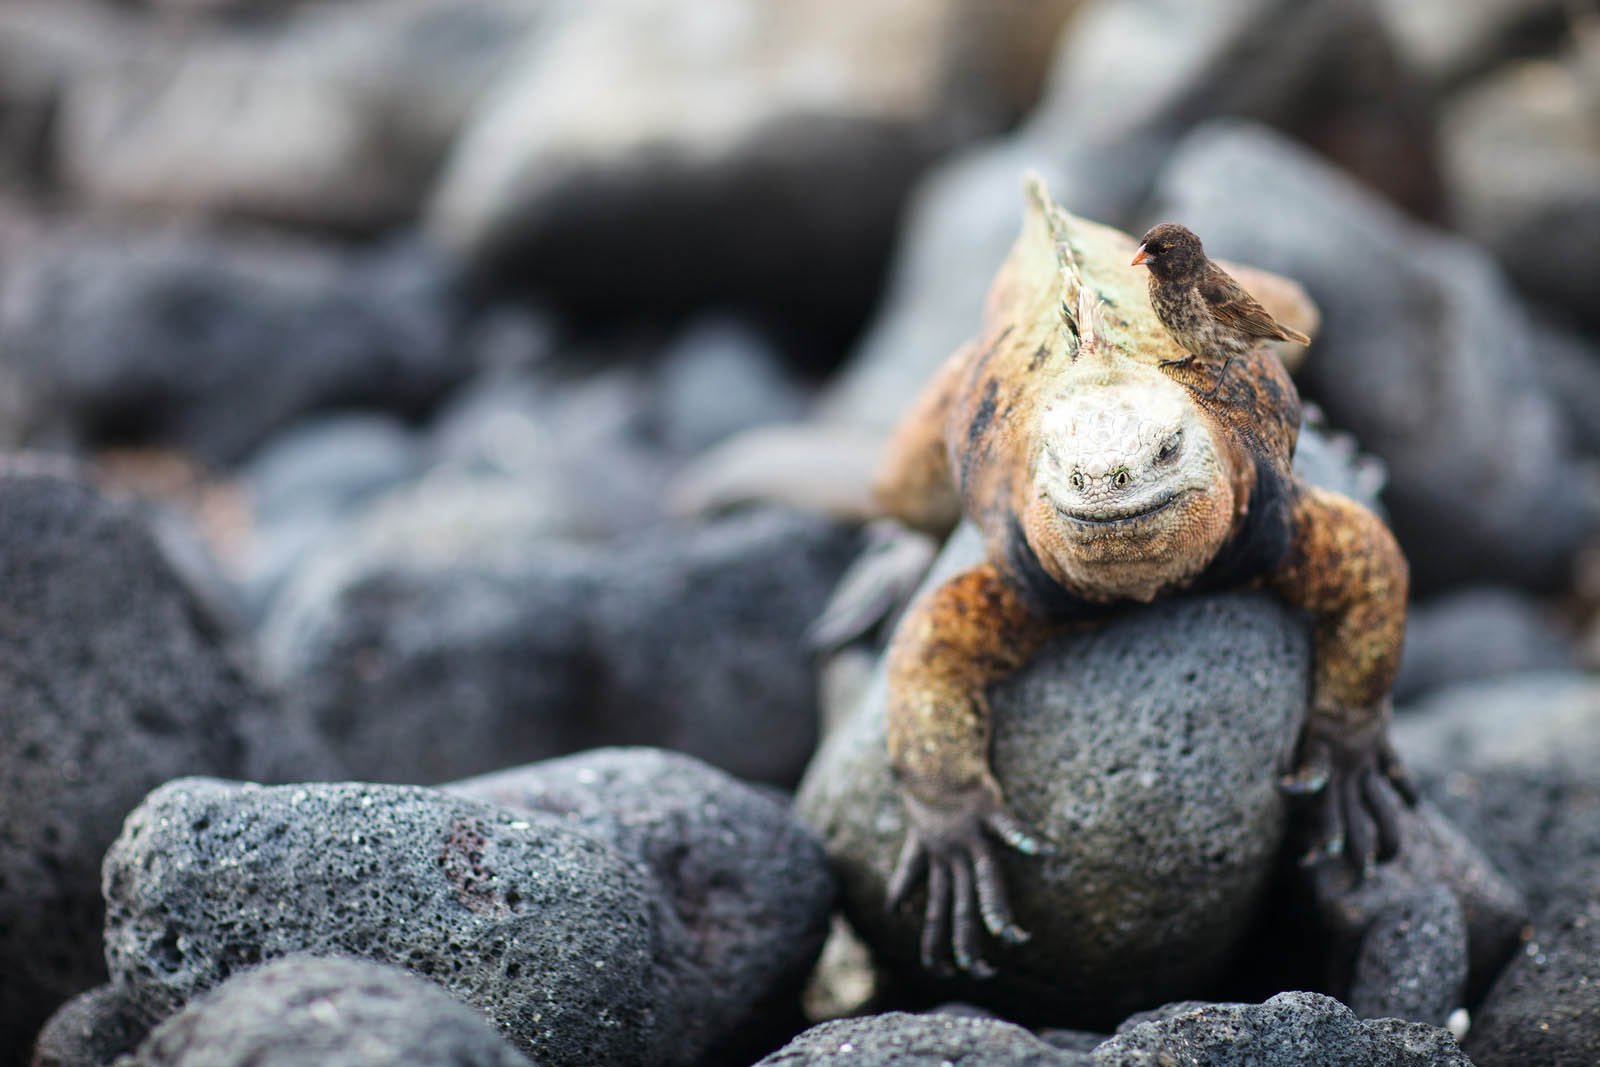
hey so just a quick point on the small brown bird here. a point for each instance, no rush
(1201, 305)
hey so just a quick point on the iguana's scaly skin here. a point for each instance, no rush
(1102, 472)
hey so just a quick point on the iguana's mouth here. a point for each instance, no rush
(1103, 518)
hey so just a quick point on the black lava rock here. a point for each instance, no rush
(748, 881)
(113, 679)
(1545, 1006)
(209, 344)
(1474, 633)
(1290, 1030)
(1413, 961)
(303, 1010)
(91, 1029)
(685, 639)
(897, 1039)
(554, 935)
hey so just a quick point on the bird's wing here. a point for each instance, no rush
(1232, 306)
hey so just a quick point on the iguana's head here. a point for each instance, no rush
(1131, 487)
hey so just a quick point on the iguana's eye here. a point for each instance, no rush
(1169, 448)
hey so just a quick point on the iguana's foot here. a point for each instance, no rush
(1357, 784)
(948, 844)
(876, 586)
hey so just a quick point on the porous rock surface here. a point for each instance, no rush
(1413, 961)
(302, 1010)
(1545, 1006)
(113, 678)
(1290, 1030)
(1147, 751)
(1420, 934)
(748, 881)
(553, 935)
(899, 1039)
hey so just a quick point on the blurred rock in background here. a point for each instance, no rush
(646, 156)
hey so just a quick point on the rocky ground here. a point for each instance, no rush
(428, 429)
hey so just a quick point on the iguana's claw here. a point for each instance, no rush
(1358, 786)
(948, 844)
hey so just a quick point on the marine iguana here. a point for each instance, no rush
(1104, 470)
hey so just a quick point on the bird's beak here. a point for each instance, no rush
(1139, 257)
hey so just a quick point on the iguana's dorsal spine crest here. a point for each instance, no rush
(1080, 307)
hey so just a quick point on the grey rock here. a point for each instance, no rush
(1425, 930)
(1425, 355)
(1413, 961)
(774, 142)
(329, 463)
(1473, 633)
(552, 934)
(1545, 1006)
(420, 661)
(209, 344)
(1569, 363)
(431, 658)
(716, 378)
(700, 635)
(1130, 78)
(44, 48)
(90, 1030)
(334, 116)
(304, 484)
(747, 880)
(1453, 39)
(898, 1039)
(1539, 721)
(1071, 1040)
(1333, 461)
(113, 679)
(586, 443)
(332, 1012)
(1159, 792)
(1524, 169)
(1290, 1030)
(1540, 826)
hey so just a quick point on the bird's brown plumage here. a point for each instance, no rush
(1201, 305)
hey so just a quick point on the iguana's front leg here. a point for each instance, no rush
(1346, 569)
(949, 647)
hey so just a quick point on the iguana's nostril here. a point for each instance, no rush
(1121, 479)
